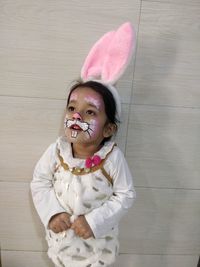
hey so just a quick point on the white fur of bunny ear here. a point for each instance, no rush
(118, 54)
(92, 67)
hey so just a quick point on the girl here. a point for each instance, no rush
(82, 186)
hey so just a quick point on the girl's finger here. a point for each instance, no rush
(86, 235)
(68, 223)
(55, 229)
(63, 226)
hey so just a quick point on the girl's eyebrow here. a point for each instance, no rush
(89, 102)
(72, 101)
(93, 102)
(92, 105)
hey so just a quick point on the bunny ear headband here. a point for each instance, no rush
(108, 59)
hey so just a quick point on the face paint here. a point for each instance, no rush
(93, 101)
(89, 127)
(77, 126)
(73, 96)
(74, 134)
(93, 129)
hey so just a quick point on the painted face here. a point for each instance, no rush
(85, 120)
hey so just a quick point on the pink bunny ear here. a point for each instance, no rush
(108, 59)
(92, 67)
(110, 55)
(118, 54)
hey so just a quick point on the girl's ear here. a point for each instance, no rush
(109, 129)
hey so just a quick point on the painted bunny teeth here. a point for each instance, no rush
(74, 134)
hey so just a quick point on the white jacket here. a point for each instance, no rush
(84, 192)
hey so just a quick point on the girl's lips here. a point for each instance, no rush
(76, 127)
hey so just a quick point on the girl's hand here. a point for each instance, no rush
(82, 228)
(60, 222)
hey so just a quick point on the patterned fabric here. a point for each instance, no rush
(56, 188)
(79, 194)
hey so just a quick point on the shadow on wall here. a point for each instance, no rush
(157, 140)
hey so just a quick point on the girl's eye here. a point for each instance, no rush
(90, 112)
(70, 108)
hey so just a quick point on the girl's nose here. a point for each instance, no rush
(77, 116)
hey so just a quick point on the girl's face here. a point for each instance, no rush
(86, 120)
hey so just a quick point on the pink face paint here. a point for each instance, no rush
(73, 96)
(77, 116)
(96, 102)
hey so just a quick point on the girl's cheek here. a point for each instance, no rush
(94, 126)
(68, 115)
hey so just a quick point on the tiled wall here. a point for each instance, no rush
(42, 46)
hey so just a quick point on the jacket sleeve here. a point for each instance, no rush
(105, 217)
(42, 190)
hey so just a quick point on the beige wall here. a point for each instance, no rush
(42, 46)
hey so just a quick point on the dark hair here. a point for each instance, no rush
(108, 99)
